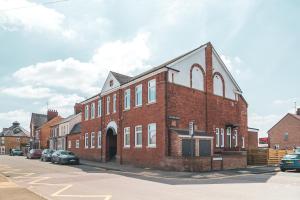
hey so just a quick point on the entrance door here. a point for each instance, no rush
(111, 144)
(2, 150)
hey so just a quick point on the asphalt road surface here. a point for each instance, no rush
(57, 182)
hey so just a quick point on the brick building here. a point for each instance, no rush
(144, 120)
(43, 133)
(285, 134)
(14, 137)
(36, 121)
(252, 138)
(74, 139)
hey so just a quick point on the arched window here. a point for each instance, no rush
(197, 77)
(218, 84)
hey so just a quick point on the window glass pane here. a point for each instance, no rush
(152, 134)
(152, 91)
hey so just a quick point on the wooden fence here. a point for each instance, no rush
(266, 156)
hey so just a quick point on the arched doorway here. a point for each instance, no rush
(111, 144)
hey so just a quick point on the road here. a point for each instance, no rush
(58, 182)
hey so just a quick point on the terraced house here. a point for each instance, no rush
(145, 120)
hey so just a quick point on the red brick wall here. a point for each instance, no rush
(45, 132)
(12, 143)
(252, 140)
(288, 124)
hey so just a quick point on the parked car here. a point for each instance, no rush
(46, 155)
(16, 152)
(34, 153)
(290, 162)
(64, 157)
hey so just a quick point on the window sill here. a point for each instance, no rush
(126, 109)
(126, 147)
(150, 103)
(138, 106)
(138, 147)
(151, 146)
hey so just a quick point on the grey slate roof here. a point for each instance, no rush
(76, 129)
(121, 77)
(15, 130)
(38, 119)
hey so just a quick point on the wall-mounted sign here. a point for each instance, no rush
(191, 128)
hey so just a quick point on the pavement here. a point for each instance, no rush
(129, 169)
(91, 180)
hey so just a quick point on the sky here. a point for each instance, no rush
(57, 54)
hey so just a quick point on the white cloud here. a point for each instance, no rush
(88, 77)
(7, 118)
(62, 103)
(27, 92)
(263, 122)
(236, 67)
(31, 16)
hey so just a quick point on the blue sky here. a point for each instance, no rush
(61, 53)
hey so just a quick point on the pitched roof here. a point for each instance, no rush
(76, 129)
(15, 130)
(121, 77)
(296, 116)
(38, 119)
(288, 114)
(68, 118)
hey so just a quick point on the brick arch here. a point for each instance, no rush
(196, 65)
(222, 79)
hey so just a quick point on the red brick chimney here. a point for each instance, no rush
(77, 108)
(298, 111)
(51, 114)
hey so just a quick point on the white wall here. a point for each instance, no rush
(184, 66)
(107, 86)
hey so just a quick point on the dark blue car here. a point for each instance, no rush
(290, 162)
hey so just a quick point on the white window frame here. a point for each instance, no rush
(92, 140)
(243, 142)
(127, 99)
(77, 144)
(217, 137)
(107, 105)
(149, 132)
(93, 111)
(99, 108)
(115, 103)
(151, 85)
(235, 138)
(86, 112)
(135, 136)
(126, 133)
(69, 144)
(86, 141)
(139, 94)
(223, 137)
(99, 139)
(228, 133)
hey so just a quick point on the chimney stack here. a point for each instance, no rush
(51, 114)
(77, 108)
(298, 111)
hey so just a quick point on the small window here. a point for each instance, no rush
(222, 137)
(99, 139)
(77, 144)
(93, 140)
(86, 112)
(152, 135)
(127, 99)
(93, 111)
(69, 144)
(99, 108)
(286, 136)
(111, 83)
(188, 147)
(138, 136)
(217, 137)
(236, 138)
(152, 91)
(115, 103)
(86, 140)
(107, 104)
(243, 142)
(138, 95)
(228, 137)
(127, 137)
